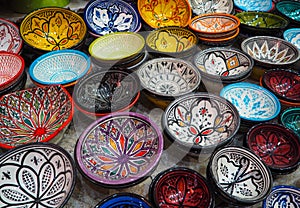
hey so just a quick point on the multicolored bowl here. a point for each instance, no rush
(124, 200)
(292, 35)
(254, 5)
(290, 118)
(10, 40)
(289, 9)
(211, 6)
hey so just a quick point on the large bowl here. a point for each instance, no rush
(289, 9)
(200, 122)
(36, 175)
(53, 28)
(108, 16)
(124, 199)
(271, 52)
(211, 6)
(10, 40)
(34, 115)
(254, 5)
(290, 118)
(292, 35)
(119, 150)
(164, 13)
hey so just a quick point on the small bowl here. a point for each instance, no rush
(126, 149)
(257, 5)
(108, 16)
(282, 196)
(271, 52)
(34, 115)
(180, 187)
(54, 28)
(164, 13)
(124, 200)
(290, 10)
(200, 122)
(254, 103)
(223, 64)
(276, 145)
(290, 118)
(59, 67)
(39, 173)
(211, 6)
(10, 40)
(292, 35)
(239, 176)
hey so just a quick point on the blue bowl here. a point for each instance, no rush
(292, 35)
(257, 5)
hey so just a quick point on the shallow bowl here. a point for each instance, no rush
(124, 199)
(53, 28)
(34, 115)
(211, 6)
(292, 35)
(256, 5)
(289, 9)
(200, 122)
(103, 17)
(271, 52)
(180, 187)
(119, 150)
(10, 40)
(239, 176)
(290, 118)
(164, 13)
(42, 174)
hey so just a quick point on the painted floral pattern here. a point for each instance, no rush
(10, 39)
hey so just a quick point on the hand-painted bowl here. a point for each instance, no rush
(164, 13)
(34, 115)
(283, 196)
(223, 64)
(211, 6)
(108, 16)
(53, 28)
(103, 92)
(36, 175)
(119, 150)
(180, 187)
(290, 10)
(59, 67)
(124, 199)
(276, 145)
(284, 83)
(292, 35)
(271, 52)
(253, 102)
(10, 40)
(290, 118)
(172, 41)
(200, 122)
(254, 5)
(239, 176)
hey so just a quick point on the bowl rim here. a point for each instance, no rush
(244, 8)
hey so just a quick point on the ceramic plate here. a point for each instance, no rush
(254, 5)
(10, 40)
(211, 6)
(292, 35)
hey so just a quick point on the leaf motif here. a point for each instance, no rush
(181, 188)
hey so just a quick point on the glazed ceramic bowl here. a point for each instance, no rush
(223, 64)
(26, 6)
(271, 52)
(171, 41)
(124, 200)
(164, 79)
(164, 13)
(253, 102)
(200, 122)
(254, 5)
(103, 92)
(290, 118)
(284, 83)
(10, 40)
(211, 6)
(59, 67)
(290, 10)
(281, 196)
(227, 41)
(103, 17)
(276, 145)
(239, 176)
(119, 150)
(54, 28)
(34, 115)
(180, 187)
(36, 175)
(292, 35)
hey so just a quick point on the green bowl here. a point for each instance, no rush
(26, 6)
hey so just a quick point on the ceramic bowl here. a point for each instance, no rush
(271, 52)
(53, 28)
(103, 92)
(36, 175)
(103, 17)
(34, 115)
(239, 176)
(292, 35)
(164, 13)
(16, 86)
(211, 6)
(254, 103)
(282, 196)
(171, 41)
(119, 150)
(290, 10)
(227, 41)
(59, 67)
(256, 5)
(200, 122)
(180, 187)
(284, 83)
(290, 118)
(276, 145)
(124, 200)
(223, 64)
(10, 40)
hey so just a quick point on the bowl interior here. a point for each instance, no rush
(211, 6)
(262, 5)
(292, 35)
(289, 9)
(290, 118)
(11, 40)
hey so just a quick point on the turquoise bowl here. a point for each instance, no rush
(290, 118)
(289, 9)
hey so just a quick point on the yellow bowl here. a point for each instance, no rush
(53, 28)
